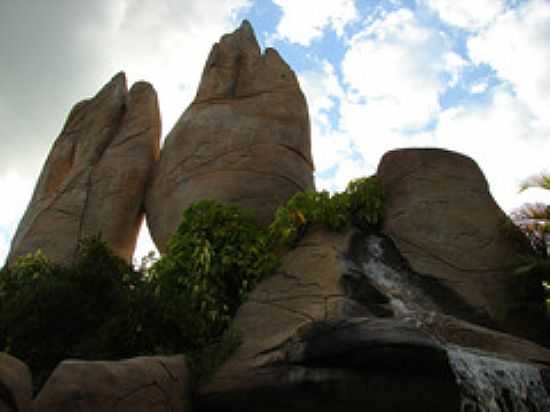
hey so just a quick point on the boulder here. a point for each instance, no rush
(143, 384)
(346, 323)
(94, 179)
(15, 385)
(244, 140)
(445, 223)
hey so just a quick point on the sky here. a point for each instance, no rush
(470, 76)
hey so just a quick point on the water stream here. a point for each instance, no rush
(488, 384)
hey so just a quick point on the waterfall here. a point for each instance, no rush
(487, 383)
(490, 384)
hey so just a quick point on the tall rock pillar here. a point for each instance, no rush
(244, 140)
(94, 179)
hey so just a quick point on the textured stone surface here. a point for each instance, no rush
(245, 139)
(343, 365)
(94, 179)
(443, 220)
(345, 323)
(144, 384)
(306, 288)
(15, 385)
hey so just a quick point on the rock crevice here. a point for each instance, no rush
(94, 180)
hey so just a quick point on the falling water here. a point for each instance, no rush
(488, 384)
(405, 298)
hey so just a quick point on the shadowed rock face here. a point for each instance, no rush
(345, 323)
(244, 140)
(443, 220)
(15, 385)
(94, 179)
(143, 384)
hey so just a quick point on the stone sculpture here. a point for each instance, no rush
(244, 140)
(93, 182)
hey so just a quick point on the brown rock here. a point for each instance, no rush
(444, 221)
(307, 287)
(15, 385)
(94, 179)
(345, 323)
(144, 384)
(244, 140)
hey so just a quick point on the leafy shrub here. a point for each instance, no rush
(98, 307)
(366, 202)
(213, 260)
(361, 204)
(49, 312)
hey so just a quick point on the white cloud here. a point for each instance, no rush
(500, 137)
(467, 14)
(322, 89)
(478, 88)
(517, 47)
(346, 170)
(305, 20)
(78, 48)
(395, 71)
(453, 64)
(176, 41)
(144, 246)
(16, 191)
(399, 68)
(4, 249)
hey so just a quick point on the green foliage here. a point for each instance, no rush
(361, 204)
(206, 361)
(98, 307)
(214, 259)
(366, 202)
(49, 312)
(541, 181)
(533, 219)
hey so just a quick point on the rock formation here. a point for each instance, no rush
(94, 179)
(424, 315)
(244, 140)
(346, 324)
(443, 220)
(141, 384)
(15, 385)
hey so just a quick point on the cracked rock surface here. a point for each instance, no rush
(93, 181)
(245, 139)
(143, 384)
(345, 323)
(444, 221)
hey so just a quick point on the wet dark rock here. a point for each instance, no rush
(394, 341)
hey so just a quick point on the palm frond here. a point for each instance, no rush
(532, 212)
(541, 181)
